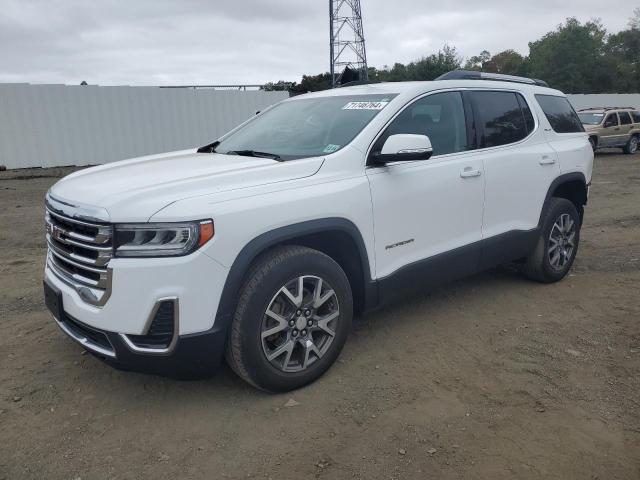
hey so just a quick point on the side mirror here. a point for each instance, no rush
(403, 147)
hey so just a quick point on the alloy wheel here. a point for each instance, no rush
(299, 324)
(561, 241)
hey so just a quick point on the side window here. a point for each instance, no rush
(611, 120)
(501, 118)
(561, 115)
(636, 117)
(625, 118)
(439, 116)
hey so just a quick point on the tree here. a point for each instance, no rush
(634, 22)
(623, 50)
(280, 85)
(477, 62)
(572, 58)
(508, 62)
(427, 68)
(576, 58)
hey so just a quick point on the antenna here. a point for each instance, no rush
(346, 42)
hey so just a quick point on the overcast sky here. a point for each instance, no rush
(171, 42)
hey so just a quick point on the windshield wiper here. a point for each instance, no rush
(254, 153)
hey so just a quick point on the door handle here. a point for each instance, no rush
(547, 160)
(469, 172)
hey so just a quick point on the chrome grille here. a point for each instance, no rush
(79, 254)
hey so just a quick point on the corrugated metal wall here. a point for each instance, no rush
(605, 100)
(56, 125)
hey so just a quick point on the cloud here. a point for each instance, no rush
(162, 42)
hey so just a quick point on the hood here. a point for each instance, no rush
(133, 190)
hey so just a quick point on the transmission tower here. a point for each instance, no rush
(346, 40)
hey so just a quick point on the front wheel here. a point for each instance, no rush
(632, 145)
(558, 243)
(292, 320)
(593, 143)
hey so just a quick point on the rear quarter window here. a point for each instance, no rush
(636, 117)
(561, 115)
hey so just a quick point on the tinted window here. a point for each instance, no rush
(636, 117)
(501, 117)
(440, 116)
(625, 118)
(611, 120)
(560, 113)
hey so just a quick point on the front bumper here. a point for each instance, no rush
(196, 354)
(138, 284)
(118, 331)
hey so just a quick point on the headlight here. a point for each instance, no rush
(161, 239)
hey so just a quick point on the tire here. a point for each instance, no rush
(593, 142)
(632, 145)
(253, 353)
(543, 265)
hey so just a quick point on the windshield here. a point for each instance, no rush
(591, 118)
(306, 127)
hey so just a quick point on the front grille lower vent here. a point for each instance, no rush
(161, 331)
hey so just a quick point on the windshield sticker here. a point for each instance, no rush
(365, 106)
(331, 148)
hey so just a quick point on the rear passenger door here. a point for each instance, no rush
(626, 125)
(519, 167)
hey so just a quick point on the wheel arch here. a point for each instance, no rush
(337, 237)
(571, 186)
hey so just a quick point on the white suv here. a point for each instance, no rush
(262, 245)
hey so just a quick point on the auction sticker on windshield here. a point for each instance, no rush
(365, 106)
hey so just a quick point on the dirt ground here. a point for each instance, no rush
(492, 377)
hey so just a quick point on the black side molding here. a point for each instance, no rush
(248, 254)
(565, 178)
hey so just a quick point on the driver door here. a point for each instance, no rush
(428, 213)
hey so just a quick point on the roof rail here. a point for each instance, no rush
(354, 83)
(475, 75)
(607, 108)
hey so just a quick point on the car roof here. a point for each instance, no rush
(418, 88)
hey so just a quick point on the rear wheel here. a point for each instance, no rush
(632, 145)
(558, 243)
(292, 319)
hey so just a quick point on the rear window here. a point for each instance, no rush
(625, 118)
(502, 118)
(560, 113)
(636, 117)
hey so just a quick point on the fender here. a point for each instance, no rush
(255, 247)
(564, 178)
